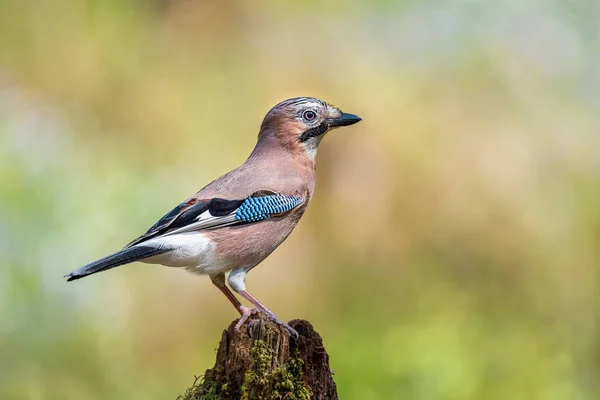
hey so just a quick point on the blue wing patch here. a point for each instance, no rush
(258, 208)
(196, 215)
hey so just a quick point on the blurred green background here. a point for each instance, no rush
(453, 244)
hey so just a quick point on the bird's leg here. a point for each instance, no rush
(267, 312)
(246, 312)
(219, 281)
(237, 281)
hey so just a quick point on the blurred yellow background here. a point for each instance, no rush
(452, 247)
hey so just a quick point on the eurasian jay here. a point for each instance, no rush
(236, 221)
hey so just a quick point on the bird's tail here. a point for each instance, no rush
(119, 258)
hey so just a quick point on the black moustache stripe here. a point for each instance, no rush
(314, 132)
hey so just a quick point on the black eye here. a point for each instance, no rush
(309, 115)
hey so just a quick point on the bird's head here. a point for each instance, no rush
(300, 123)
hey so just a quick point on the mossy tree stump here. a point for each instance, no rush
(260, 361)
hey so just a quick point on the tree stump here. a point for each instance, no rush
(260, 361)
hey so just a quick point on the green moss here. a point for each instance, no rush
(261, 382)
(203, 390)
(285, 381)
(289, 381)
(256, 379)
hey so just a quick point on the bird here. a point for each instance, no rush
(236, 221)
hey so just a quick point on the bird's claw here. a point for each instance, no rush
(246, 313)
(291, 331)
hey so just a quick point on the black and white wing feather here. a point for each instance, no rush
(217, 213)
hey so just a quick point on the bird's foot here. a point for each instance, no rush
(246, 313)
(291, 331)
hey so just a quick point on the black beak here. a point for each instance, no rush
(345, 120)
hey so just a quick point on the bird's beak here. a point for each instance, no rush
(344, 120)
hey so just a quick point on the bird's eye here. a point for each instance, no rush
(309, 115)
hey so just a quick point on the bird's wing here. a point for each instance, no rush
(163, 224)
(196, 215)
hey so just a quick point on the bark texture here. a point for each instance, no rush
(260, 361)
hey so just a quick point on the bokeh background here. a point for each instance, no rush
(452, 247)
